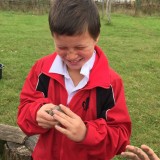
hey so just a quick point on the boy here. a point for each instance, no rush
(94, 124)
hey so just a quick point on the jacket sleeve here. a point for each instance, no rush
(109, 136)
(30, 101)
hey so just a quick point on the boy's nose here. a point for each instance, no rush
(71, 55)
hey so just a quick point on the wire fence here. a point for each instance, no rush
(42, 6)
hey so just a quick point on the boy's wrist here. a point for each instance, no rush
(89, 135)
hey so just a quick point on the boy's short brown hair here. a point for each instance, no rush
(74, 17)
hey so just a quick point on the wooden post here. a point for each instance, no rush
(18, 146)
(15, 151)
(31, 142)
(12, 134)
(108, 10)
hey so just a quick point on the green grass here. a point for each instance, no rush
(132, 45)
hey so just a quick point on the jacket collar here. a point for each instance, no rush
(99, 74)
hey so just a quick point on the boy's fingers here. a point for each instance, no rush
(44, 125)
(142, 155)
(139, 153)
(130, 155)
(149, 152)
(68, 111)
(61, 129)
(63, 119)
(45, 116)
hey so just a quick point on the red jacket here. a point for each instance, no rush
(101, 105)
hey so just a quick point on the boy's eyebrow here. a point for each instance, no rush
(60, 45)
(64, 47)
(78, 45)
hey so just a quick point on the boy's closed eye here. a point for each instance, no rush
(62, 48)
(80, 48)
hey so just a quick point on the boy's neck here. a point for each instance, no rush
(75, 76)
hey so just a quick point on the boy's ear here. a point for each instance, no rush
(97, 39)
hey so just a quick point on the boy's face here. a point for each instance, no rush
(74, 50)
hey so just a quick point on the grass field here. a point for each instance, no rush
(132, 45)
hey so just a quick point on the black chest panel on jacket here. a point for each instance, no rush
(43, 83)
(105, 100)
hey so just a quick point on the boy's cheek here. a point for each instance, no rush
(61, 53)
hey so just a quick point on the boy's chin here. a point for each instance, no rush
(74, 67)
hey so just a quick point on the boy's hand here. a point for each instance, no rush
(71, 124)
(143, 153)
(44, 119)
